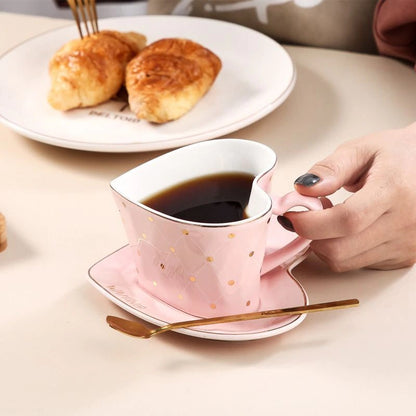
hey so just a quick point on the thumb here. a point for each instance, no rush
(344, 167)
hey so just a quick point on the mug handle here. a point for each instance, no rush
(295, 249)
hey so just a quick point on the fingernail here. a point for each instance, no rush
(285, 223)
(308, 179)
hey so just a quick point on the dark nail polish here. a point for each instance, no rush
(308, 179)
(285, 223)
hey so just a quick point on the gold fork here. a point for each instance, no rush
(88, 12)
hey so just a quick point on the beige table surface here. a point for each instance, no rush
(59, 357)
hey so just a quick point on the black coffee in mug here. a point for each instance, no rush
(214, 198)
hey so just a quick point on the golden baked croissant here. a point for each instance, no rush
(89, 71)
(168, 77)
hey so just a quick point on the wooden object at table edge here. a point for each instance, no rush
(3, 236)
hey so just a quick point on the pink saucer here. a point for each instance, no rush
(115, 277)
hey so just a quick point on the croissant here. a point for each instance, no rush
(168, 77)
(89, 71)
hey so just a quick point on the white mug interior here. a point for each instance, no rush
(198, 160)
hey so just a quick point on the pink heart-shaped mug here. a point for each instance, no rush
(207, 269)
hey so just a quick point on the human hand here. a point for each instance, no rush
(376, 226)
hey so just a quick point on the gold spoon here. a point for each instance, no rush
(137, 329)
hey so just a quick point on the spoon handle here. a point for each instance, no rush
(297, 310)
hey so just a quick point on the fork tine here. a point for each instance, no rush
(90, 15)
(94, 14)
(84, 17)
(74, 10)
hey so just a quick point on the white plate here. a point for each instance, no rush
(257, 76)
(115, 276)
